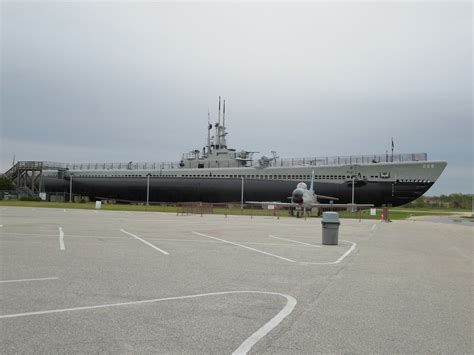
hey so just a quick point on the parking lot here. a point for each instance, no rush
(121, 282)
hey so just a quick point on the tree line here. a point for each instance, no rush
(457, 200)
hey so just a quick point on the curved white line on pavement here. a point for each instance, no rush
(242, 349)
(244, 246)
(347, 252)
(269, 326)
(25, 280)
(338, 260)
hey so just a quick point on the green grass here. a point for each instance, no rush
(88, 206)
(395, 214)
(431, 210)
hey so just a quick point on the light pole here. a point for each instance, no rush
(353, 179)
(147, 189)
(70, 188)
(242, 195)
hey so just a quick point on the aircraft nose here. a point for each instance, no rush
(297, 196)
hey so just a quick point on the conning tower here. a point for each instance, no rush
(216, 154)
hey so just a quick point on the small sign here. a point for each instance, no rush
(98, 205)
(271, 207)
(373, 211)
(42, 196)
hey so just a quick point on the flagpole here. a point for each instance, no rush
(392, 149)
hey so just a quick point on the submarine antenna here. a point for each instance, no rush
(218, 129)
(223, 127)
(209, 127)
(219, 117)
(223, 115)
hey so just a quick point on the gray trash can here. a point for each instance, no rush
(330, 223)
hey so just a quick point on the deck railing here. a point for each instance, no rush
(309, 161)
(353, 159)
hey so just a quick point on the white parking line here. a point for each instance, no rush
(347, 252)
(64, 210)
(242, 349)
(144, 241)
(93, 237)
(245, 347)
(1, 225)
(338, 260)
(215, 241)
(281, 257)
(183, 240)
(61, 239)
(373, 227)
(25, 280)
(294, 241)
(273, 244)
(459, 251)
(4, 234)
(244, 246)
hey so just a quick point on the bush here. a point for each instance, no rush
(458, 201)
(30, 198)
(5, 183)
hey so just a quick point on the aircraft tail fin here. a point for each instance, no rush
(311, 187)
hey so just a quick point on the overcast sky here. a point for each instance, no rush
(121, 81)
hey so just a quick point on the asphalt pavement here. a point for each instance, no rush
(88, 281)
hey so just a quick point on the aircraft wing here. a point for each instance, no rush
(343, 205)
(260, 203)
(327, 197)
(117, 199)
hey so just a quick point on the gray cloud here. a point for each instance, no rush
(99, 81)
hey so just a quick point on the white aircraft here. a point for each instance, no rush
(304, 200)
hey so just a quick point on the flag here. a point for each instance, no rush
(393, 145)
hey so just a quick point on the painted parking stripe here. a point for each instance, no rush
(320, 246)
(27, 280)
(347, 252)
(295, 241)
(215, 241)
(144, 241)
(247, 345)
(244, 348)
(244, 246)
(4, 234)
(61, 239)
(338, 260)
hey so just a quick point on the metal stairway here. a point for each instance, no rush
(26, 175)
